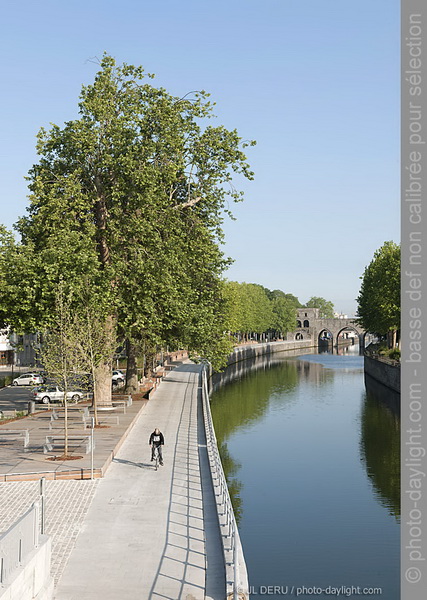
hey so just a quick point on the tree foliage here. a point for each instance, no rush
(379, 297)
(126, 205)
(326, 307)
(284, 314)
(252, 308)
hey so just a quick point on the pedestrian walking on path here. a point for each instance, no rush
(157, 441)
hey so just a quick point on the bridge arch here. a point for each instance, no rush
(300, 334)
(360, 335)
(325, 335)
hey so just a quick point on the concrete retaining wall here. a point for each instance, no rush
(257, 350)
(32, 580)
(388, 375)
(256, 356)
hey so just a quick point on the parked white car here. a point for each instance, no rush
(118, 377)
(52, 393)
(28, 379)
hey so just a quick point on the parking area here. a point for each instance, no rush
(15, 398)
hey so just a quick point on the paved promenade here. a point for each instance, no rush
(153, 535)
(23, 463)
(67, 503)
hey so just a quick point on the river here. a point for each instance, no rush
(313, 467)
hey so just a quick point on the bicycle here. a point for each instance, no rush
(156, 457)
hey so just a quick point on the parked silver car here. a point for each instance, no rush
(28, 379)
(118, 377)
(52, 393)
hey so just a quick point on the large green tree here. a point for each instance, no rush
(126, 204)
(379, 297)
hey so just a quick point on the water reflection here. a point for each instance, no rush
(380, 450)
(315, 485)
(267, 384)
(242, 368)
(341, 350)
(245, 402)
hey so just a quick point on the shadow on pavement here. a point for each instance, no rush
(141, 465)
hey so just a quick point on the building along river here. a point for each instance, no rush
(313, 465)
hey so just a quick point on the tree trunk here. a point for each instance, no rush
(102, 384)
(102, 381)
(132, 368)
(65, 386)
(65, 424)
(391, 339)
(394, 339)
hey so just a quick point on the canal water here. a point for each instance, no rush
(313, 467)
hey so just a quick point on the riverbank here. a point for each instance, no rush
(383, 370)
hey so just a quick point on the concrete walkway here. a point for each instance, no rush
(153, 535)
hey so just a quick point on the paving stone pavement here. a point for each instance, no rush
(66, 502)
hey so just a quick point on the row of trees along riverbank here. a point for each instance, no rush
(253, 309)
(379, 298)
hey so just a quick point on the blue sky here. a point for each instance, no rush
(316, 84)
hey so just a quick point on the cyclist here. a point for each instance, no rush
(157, 441)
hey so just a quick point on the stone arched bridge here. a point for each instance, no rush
(311, 326)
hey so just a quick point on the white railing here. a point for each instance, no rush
(236, 574)
(19, 541)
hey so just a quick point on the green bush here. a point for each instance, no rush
(5, 380)
(394, 354)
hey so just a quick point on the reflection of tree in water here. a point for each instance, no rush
(241, 403)
(231, 467)
(380, 449)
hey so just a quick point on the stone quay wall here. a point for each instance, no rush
(254, 356)
(386, 373)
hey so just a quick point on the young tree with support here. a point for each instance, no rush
(58, 354)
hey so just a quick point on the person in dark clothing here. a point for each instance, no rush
(157, 441)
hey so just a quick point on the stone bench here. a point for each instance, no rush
(7, 434)
(120, 404)
(84, 410)
(83, 413)
(87, 424)
(73, 440)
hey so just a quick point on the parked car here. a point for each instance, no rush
(28, 379)
(52, 393)
(118, 377)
